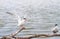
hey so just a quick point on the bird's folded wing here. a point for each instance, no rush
(55, 28)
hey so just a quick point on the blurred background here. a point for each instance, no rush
(42, 16)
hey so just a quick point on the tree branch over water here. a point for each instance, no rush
(12, 35)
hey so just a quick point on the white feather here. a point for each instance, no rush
(20, 20)
(55, 28)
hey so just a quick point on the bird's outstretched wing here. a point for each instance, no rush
(9, 13)
(16, 15)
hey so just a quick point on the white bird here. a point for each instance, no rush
(20, 21)
(55, 29)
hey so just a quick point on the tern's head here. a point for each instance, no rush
(56, 24)
(24, 18)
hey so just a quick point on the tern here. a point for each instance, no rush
(21, 22)
(55, 29)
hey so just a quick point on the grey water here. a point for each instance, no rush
(42, 15)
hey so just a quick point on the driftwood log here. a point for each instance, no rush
(33, 36)
(12, 36)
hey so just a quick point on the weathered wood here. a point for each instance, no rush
(15, 33)
(11, 36)
(22, 38)
(33, 36)
(44, 35)
(6, 37)
(38, 35)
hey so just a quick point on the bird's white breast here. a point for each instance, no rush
(21, 22)
(55, 28)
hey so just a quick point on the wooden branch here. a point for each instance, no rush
(11, 36)
(33, 36)
(19, 30)
(44, 35)
(38, 35)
